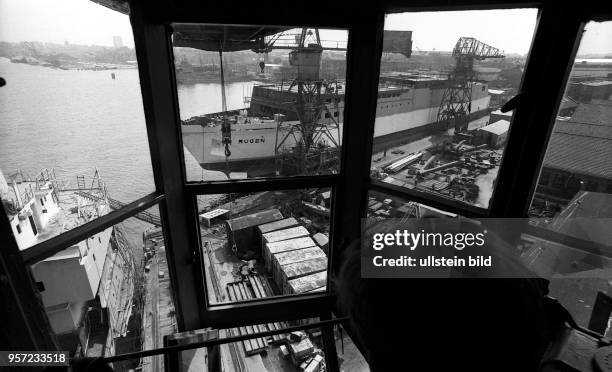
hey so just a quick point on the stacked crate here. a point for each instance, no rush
(272, 249)
(289, 254)
(309, 283)
(298, 270)
(284, 261)
(277, 225)
(286, 234)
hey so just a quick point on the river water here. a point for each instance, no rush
(74, 121)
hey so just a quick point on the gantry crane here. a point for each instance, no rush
(455, 106)
(315, 142)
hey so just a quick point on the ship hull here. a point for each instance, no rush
(263, 166)
(403, 114)
(386, 141)
(253, 146)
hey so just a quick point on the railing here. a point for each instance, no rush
(116, 204)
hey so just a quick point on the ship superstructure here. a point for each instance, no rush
(85, 288)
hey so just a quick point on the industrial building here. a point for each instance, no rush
(587, 91)
(487, 73)
(580, 152)
(494, 134)
(498, 98)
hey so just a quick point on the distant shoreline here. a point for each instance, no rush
(87, 66)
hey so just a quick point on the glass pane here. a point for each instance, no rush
(271, 103)
(111, 293)
(265, 244)
(576, 176)
(574, 191)
(577, 277)
(438, 127)
(286, 352)
(381, 205)
(71, 103)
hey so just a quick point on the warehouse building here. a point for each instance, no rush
(580, 153)
(494, 134)
(242, 231)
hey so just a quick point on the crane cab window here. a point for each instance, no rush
(258, 101)
(266, 244)
(576, 204)
(448, 136)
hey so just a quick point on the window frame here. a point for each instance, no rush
(497, 206)
(156, 41)
(557, 32)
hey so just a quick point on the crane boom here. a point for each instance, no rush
(456, 105)
(469, 46)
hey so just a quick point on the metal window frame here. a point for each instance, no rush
(557, 34)
(352, 184)
(175, 197)
(58, 243)
(449, 204)
(154, 48)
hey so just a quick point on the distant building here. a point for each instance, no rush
(487, 73)
(580, 151)
(588, 69)
(117, 41)
(498, 98)
(512, 76)
(590, 90)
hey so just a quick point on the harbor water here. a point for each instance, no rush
(74, 120)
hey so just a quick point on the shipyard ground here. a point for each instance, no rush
(382, 159)
(220, 262)
(158, 313)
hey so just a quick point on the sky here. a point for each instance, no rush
(75, 21)
(597, 38)
(85, 22)
(510, 30)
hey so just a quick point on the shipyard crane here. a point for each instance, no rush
(315, 142)
(455, 106)
(316, 134)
